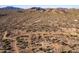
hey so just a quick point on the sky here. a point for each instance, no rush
(42, 6)
(40, 3)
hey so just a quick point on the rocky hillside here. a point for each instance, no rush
(39, 30)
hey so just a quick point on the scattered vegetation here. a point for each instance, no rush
(49, 31)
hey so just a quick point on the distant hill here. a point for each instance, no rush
(38, 8)
(10, 8)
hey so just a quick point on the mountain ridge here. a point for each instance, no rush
(10, 8)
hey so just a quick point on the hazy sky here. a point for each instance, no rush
(43, 6)
(39, 2)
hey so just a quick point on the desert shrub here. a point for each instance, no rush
(6, 51)
(67, 51)
(21, 43)
(3, 15)
(6, 44)
(33, 37)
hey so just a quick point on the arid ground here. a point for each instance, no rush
(38, 30)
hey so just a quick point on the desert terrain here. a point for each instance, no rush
(39, 30)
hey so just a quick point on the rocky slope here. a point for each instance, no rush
(39, 30)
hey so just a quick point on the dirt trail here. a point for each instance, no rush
(44, 36)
